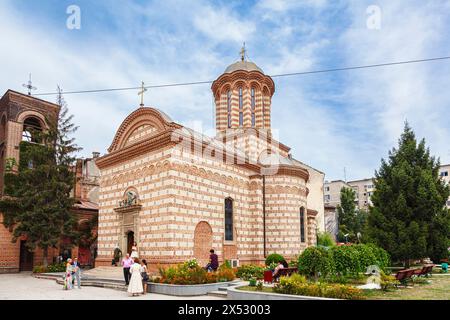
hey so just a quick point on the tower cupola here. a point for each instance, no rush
(243, 95)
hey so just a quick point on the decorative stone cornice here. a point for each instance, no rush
(243, 75)
(132, 208)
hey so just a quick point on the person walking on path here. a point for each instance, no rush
(144, 274)
(126, 264)
(135, 286)
(68, 275)
(77, 272)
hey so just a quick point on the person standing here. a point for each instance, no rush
(134, 252)
(135, 286)
(68, 275)
(77, 272)
(144, 274)
(213, 261)
(126, 264)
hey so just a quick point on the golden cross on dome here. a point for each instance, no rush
(141, 93)
(242, 52)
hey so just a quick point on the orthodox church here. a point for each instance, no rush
(178, 193)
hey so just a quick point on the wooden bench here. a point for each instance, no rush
(424, 272)
(403, 276)
(284, 272)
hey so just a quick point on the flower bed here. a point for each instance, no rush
(298, 285)
(190, 273)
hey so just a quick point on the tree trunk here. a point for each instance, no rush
(44, 257)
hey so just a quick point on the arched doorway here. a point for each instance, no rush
(130, 241)
(202, 242)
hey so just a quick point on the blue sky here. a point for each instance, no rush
(331, 121)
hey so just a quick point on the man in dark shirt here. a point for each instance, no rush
(213, 261)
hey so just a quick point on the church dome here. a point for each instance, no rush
(243, 65)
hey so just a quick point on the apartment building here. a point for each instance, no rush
(364, 189)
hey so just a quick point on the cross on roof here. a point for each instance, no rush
(29, 86)
(141, 93)
(242, 52)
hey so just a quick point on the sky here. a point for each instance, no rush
(331, 121)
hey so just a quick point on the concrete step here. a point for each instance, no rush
(101, 284)
(221, 294)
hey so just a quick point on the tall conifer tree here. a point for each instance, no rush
(408, 217)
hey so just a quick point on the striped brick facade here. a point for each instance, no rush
(182, 180)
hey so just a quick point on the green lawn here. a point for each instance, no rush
(437, 288)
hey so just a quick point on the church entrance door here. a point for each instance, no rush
(26, 258)
(130, 241)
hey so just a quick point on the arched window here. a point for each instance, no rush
(229, 108)
(241, 108)
(31, 126)
(229, 219)
(302, 224)
(253, 105)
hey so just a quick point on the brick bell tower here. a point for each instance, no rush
(243, 95)
(20, 116)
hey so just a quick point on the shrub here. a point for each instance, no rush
(60, 267)
(345, 260)
(388, 281)
(39, 269)
(274, 258)
(289, 285)
(225, 274)
(383, 260)
(354, 259)
(314, 261)
(325, 239)
(191, 273)
(248, 271)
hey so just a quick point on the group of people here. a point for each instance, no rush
(73, 272)
(135, 272)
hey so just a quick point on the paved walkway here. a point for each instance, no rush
(23, 286)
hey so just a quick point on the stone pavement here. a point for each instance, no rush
(23, 286)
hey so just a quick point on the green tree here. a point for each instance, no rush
(38, 202)
(351, 220)
(409, 218)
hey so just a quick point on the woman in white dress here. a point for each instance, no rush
(134, 253)
(68, 275)
(135, 286)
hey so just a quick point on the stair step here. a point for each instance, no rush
(222, 294)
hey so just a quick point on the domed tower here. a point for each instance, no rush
(242, 95)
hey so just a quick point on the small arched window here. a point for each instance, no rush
(241, 108)
(253, 105)
(229, 219)
(31, 126)
(229, 108)
(302, 224)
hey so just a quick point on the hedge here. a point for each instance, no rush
(342, 260)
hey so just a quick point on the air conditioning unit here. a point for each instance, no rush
(234, 263)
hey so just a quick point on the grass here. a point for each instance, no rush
(433, 288)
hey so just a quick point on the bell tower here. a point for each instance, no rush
(243, 95)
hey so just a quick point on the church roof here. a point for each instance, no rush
(243, 65)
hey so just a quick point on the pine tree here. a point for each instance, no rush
(346, 214)
(38, 198)
(408, 217)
